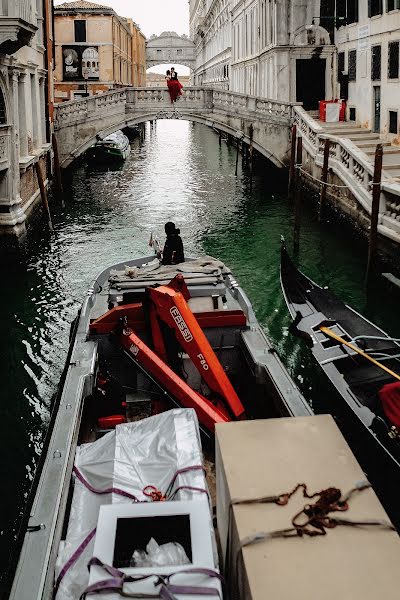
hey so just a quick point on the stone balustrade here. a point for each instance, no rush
(352, 166)
(5, 133)
(193, 99)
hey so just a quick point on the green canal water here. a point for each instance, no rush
(178, 173)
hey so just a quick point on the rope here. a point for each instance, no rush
(167, 589)
(320, 180)
(312, 520)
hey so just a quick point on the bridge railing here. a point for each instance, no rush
(155, 99)
(76, 111)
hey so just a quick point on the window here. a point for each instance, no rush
(393, 121)
(346, 12)
(374, 7)
(393, 60)
(393, 4)
(3, 114)
(352, 113)
(159, 52)
(376, 52)
(340, 65)
(80, 30)
(179, 52)
(352, 65)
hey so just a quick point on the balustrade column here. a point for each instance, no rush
(23, 131)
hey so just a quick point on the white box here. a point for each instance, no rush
(186, 522)
(332, 112)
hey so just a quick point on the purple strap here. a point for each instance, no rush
(167, 590)
(180, 472)
(73, 559)
(111, 490)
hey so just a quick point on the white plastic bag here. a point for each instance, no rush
(171, 554)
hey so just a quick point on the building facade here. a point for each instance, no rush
(368, 65)
(26, 107)
(138, 55)
(270, 48)
(211, 30)
(94, 50)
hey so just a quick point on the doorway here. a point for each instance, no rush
(377, 109)
(310, 82)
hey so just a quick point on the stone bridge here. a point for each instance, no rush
(79, 123)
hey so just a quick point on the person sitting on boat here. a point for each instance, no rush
(173, 250)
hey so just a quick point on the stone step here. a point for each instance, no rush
(348, 131)
(366, 146)
(388, 149)
(364, 136)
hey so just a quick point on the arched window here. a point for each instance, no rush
(3, 112)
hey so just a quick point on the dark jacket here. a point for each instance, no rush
(173, 250)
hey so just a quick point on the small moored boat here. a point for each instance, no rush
(114, 146)
(148, 338)
(361, 361)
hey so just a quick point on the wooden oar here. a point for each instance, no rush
(336, 337)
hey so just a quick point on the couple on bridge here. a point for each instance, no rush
(174, 85)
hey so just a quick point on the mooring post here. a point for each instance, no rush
(376, 196)
(292, 166)
(237, 155)
(43, 195)
(57, 168)
(251, 134)
(298, 195)
(324, 179)
(220, 138)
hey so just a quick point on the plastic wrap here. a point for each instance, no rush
(135, 455)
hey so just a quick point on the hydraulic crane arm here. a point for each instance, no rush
(170, 306)
(207, 413)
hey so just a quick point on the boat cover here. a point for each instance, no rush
(135, 455)
(204, 267)
(118, 137)
(390, 398)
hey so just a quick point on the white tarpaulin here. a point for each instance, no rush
(135, 455)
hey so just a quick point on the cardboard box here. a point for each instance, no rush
(124, 528)
(269, 457)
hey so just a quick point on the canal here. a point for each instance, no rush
(179, 173)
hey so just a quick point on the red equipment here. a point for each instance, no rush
(390, 398)
(322, 109)
(168, 304)
(111, 421)
(208, 414)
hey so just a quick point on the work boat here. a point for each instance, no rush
(113, 147)
(158, 353)
(361, 361)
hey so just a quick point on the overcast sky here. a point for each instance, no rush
(153, 16)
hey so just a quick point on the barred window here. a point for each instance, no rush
(393, 60)
(376, 55)
(352, 65)
(346, 12)
(374, 7)
(393, 121)
(352, 113)
(340, 65)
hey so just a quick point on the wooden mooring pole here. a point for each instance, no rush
(324, 179)
(298, 195)
(251, 134)
(220, 138)
(292, 166)
(376, 196)
(57, 168)
(237, 156)
(43, 195)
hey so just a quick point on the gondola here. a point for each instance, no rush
(360, 360)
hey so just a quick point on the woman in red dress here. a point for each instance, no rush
(170, 85)
(175, 86)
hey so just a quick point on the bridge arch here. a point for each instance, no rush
(170, 48)
(214, 124)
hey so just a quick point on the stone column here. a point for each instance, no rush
(23, 131)
(42, 108)
(14, 177)
(35, 113)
